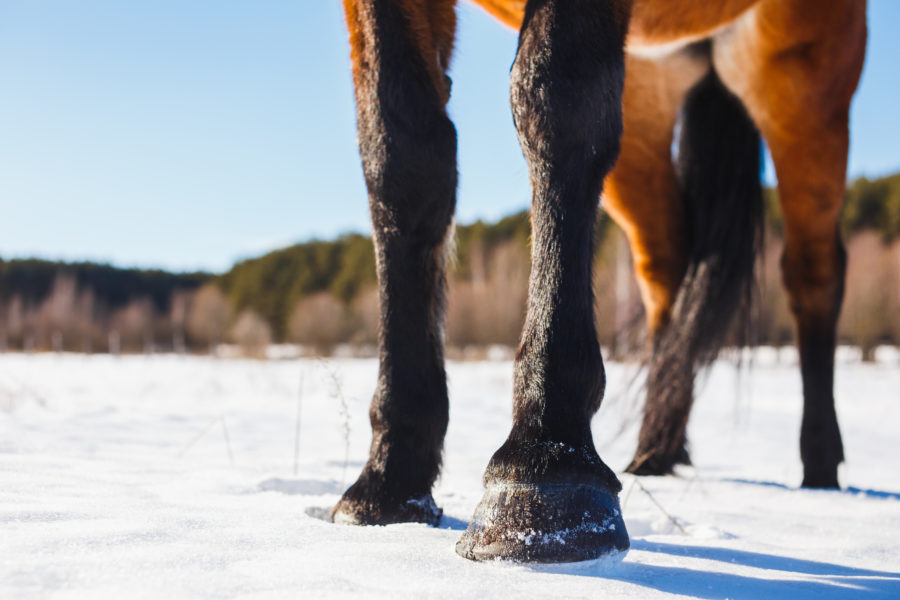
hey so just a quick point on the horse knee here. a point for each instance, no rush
(566, 90)
(410, 170)
(407, 142)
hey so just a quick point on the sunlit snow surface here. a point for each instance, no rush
(165, 477)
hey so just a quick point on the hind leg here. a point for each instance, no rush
(642, 196)
(813, 267)
(400, 50)
(802, 109)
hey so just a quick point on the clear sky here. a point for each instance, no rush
(186, 135)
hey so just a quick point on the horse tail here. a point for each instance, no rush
(718, 164)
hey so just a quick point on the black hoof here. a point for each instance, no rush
(820, 478)
(658, 463)
(544, 523)
(647, 468)
(360, 508)
(683, 457)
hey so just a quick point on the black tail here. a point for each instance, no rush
(718, 163)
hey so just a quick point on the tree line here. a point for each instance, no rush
(322, 293)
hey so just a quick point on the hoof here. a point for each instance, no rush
(820, 478)
(649, 467)
(655, 463)
(356, 511)
(544, 523)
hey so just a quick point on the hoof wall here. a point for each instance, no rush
(657, 464)
(647, 469)
(545, 523)
(414, 510)
(826, 480)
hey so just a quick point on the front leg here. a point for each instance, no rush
(548, 495)
(401, 49)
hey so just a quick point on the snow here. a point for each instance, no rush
(164, 476)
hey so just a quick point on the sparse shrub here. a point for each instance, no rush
(365, 318)
(321, 321)
(490, 308)
(177, 319)
(618, 312)
(773, 321)
(865, 319)
(251, 333)
(134, 326)
(208, 316)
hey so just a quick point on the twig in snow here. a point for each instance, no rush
(628, 493)
(660, 506)
(227, 442)
(690, 484)
(206, 430)
(297, 428)
(344, 411)
(197, 438)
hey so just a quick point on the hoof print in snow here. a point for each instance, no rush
(545, 523)
(415, 510)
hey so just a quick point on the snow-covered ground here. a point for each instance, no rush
(168, 477)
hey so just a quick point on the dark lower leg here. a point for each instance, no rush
(815, 281)
(408, 150)
(813, 267)
(549, 496)
(821, 448)
(409, 410)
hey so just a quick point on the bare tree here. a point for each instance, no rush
(774, 322)
(30, 326)
(4, 327)
(864, 319)
(178, 312)
(618, 312)
(56, 315)
(251, 333)
(85, 326)
(366, 318)
(319, 320)
(208, 316)
(134, 325)
(490, 308)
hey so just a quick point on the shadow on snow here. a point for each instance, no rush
(799, 578)
(881, 494)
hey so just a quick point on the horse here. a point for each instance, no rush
(659, 107)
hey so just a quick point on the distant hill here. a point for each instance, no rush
(322, 292)
(271, 285)
(32, 280)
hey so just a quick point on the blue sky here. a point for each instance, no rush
(186, 135)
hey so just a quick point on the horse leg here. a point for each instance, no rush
(400, 51)
(694, 241)
(548, 495)
(813, 266)
(799, 92)
(642, 195)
